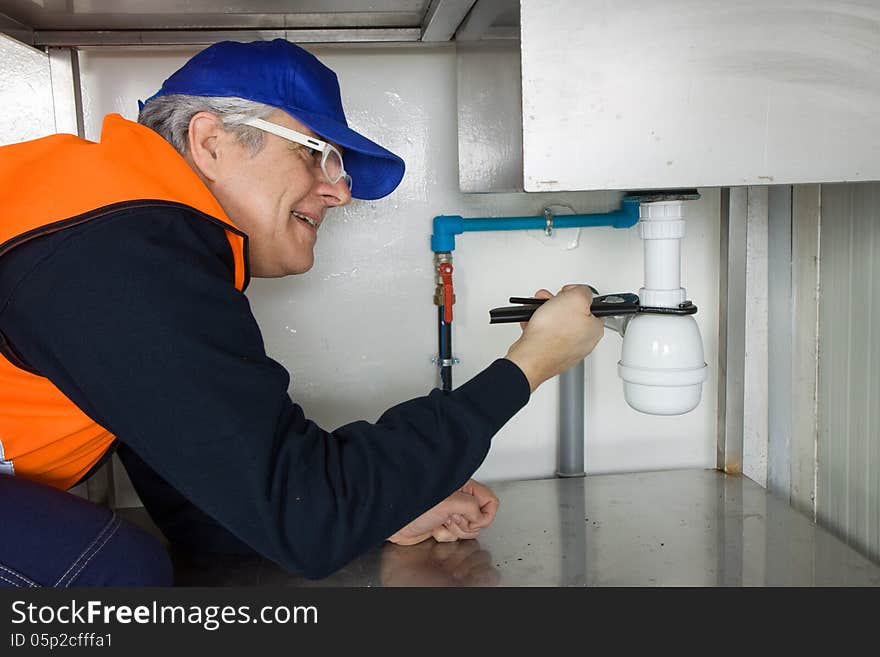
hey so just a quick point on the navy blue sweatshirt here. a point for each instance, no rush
(134, 317)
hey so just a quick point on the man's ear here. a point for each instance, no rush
(204, 144)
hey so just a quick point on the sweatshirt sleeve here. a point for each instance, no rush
(134, 318)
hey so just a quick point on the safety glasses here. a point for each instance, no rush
(331, 158)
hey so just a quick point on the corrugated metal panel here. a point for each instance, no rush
(848, 495)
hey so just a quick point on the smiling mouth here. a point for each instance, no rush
(311, 222)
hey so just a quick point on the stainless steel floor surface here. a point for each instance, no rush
(675, 528)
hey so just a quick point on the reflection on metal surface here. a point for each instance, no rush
(572, 536)
(728, 525)
(680, 528)
(462, 563)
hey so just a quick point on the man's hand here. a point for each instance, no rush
(456, 527)
(461, 515)
(560, 333)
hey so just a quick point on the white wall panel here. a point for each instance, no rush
(358, 331)
(25, 93)
(644, 94)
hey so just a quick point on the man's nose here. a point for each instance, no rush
(334, 194)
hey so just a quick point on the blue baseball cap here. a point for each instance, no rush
(283, 75)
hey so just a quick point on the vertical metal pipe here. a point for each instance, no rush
(444, 330)
(571, 422)
(444, 336)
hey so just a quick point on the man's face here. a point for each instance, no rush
(263, 193)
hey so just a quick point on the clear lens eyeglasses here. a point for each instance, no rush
(331, 158)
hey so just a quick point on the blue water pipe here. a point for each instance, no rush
(446, 227)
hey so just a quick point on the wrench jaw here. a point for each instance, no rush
(618, 323)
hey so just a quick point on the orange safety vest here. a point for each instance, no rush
(51, 184)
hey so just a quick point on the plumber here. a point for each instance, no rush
(124, 328)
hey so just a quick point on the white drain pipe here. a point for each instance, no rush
(661, 227)
(661, 362)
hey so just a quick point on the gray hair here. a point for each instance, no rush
(170, 116)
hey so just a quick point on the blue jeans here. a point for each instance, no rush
(52, 538)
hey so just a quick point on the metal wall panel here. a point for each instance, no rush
(805, 344)
(755, 380)
(489, 117)
(848, 495)
(779, 340)
(731, 329)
